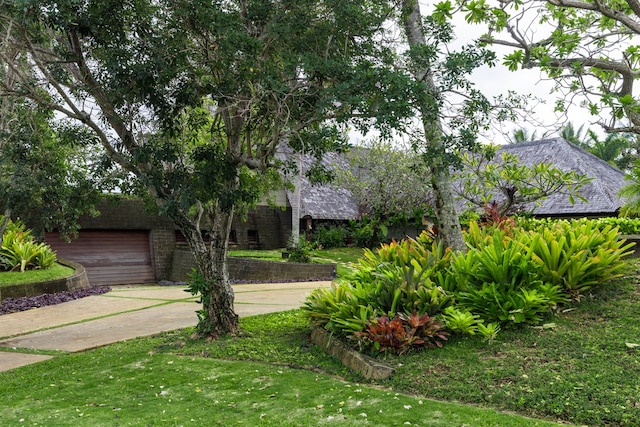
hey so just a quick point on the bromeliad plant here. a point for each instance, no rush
(399, 278)
(498, 281)
(509, 276)
(577, 256)
(21, 252)
(402, 333)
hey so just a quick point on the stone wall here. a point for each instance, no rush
(163, 244)
(124, 213)
(247, 269)
(272, 226)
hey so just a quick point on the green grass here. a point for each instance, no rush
(263, 254)
(57, 271)
(270, 376)
(580, 366)
(341, 256)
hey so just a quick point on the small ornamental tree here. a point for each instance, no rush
(389, 183)
(508, 185)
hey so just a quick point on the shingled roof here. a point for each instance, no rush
(601, 193)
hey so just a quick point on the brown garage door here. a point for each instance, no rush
(110, 257)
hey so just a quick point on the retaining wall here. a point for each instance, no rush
(78, 280)
(248, 269)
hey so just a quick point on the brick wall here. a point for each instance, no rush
(163, 244)
(124, 214)
(273, 226)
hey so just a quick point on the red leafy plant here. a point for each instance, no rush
(402, 333)
(493, 216)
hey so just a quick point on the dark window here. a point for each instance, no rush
(252, 236)
(233, 237)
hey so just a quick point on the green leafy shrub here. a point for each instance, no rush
(401, 334)
(624, 225)
(367, 232)
(398, 278)
(578, 255)
(343, 309)
(302, 253)
(21, 252)
(466, 323)
(498, 281)
(330, 236)
(509, 276)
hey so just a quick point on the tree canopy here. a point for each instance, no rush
(502, 182)
(193, 98)
(589, 48)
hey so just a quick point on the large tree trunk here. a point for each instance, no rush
(212, 283)
(448, 223)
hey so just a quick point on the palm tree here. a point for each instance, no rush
(631, 192)
(576, 136)
(610, 148)
(522, 135)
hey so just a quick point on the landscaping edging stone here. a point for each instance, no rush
(78, 280)
(367, 366)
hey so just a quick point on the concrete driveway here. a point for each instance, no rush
(124, 313)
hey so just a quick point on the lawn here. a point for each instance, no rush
(270, 376)
(57, 271)
(581, 366)
(342, 256)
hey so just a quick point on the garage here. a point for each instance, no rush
(110, 257)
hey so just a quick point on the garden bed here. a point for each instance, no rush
(76, 281)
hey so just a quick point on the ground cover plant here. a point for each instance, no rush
(56, 271)
(12, 305)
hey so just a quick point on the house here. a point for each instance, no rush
(319, 202)
(127, 245)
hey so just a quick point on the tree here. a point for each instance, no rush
(450, 110)
(40, 181)
(612, 149)
(193, 98)
(510, 186)
(588, 48)
(387, 181)
(522, 135)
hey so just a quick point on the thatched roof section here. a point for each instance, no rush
(324, 201)
(601, 193)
